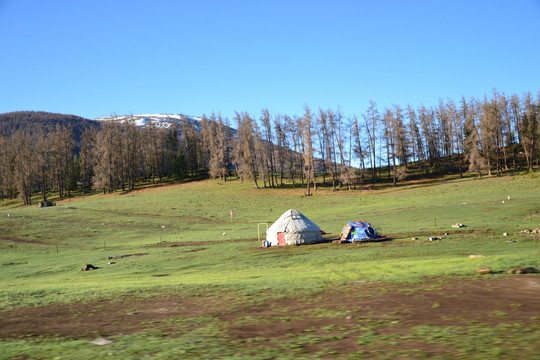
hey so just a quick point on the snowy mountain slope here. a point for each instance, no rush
(159, 120)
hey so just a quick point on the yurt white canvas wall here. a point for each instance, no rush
(293, 228)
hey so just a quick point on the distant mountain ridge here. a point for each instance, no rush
(159, 120)
(30, 121)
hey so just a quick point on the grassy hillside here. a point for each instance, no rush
(170, 240)
(43, 248)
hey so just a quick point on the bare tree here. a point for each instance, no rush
(88, 142)
(245, 151)
(209, 149)
(417, 146)
(295, 159)
(261, 155)
(132, 154)
(61, 143)
(459, 132)
(25, 172)
(268, 145)
(516, 117)
(217, 139)
(431, 136)
(400, 133)
(445, 113)
(371, 121)
(106, 164)
(396, 144)
(488, 132)
(529, 128)
(358, 150)
(8, 155)
(347, 175)
(507, 134)
(475, 159)
(326, 141)
(282, 146)
(494, 115)
(339, 142)
(43, 162)
(305, 124)
(388, 137)
(191, 146)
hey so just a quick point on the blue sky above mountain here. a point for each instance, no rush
(99, 58)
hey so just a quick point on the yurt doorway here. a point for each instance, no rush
(281, 238)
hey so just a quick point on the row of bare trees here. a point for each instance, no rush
(479, 135)
(488, 135)
(39, 162)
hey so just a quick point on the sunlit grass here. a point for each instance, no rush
(130, 237)
(43, 249)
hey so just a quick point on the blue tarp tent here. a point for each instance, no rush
(359, 231)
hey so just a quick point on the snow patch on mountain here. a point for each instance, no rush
(159, 120)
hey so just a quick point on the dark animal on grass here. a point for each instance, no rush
(87, 267)
(523, 270)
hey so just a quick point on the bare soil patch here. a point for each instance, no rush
(199, 243)
(336, 314)
(24, 241)
(124, 256)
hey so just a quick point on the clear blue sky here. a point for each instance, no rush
(96, 58)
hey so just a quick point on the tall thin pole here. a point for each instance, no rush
(232, 226)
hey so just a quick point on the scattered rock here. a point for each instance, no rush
(484, 270)
(458, 225)
(446, 234)
(101, 342)
(414, 239)
(112, 262)
(505, 234)
(475, 256)
(349, 317)
(434, 238)
(87, 267)
(533, 231)
(47, 203)
(523, 270)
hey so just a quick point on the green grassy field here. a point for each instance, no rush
(43, 249)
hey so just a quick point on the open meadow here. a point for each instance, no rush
(179, 278)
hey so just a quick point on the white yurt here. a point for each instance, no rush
(293, 228)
